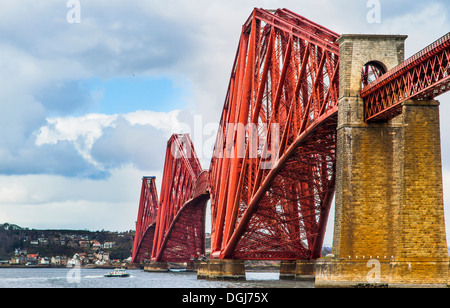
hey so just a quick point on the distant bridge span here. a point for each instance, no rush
(172, 228)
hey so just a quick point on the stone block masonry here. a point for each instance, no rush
(367, 175)
(389, 196)
(215, 269)
(420, 255)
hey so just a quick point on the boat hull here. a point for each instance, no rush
(120, 276)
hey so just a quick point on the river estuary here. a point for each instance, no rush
(94, 278)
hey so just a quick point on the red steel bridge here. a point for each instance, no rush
(271, 181)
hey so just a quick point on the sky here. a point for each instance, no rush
(91, 90)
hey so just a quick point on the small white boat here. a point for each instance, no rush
(118, 272)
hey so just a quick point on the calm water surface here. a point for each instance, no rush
(93, 278)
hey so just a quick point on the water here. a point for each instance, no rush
(93, 278)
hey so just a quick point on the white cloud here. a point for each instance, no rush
(81, 131)
(84, 131)
(164, 121)
(48, 201)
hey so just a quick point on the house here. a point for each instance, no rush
(18, 252)
(128, 260)
(84, 244)
(58, 260)
(109, 245)
(102, 256)
(100, 262)
(43, 241)
(72, 244)
(32, 259)
(32, 256)
(75, 261)
(18, 260)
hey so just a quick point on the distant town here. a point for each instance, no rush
(61, 248)
(24, 247)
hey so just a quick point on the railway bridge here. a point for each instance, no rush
(311, 116)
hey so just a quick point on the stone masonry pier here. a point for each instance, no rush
(389, 195)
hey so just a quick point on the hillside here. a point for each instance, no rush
(15, 239)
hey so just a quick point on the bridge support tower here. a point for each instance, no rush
(389, 221)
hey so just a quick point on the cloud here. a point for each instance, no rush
(105, 142)
(140, 145)
(46, 61)
(49, 201)
(82, 132)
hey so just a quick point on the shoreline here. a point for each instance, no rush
(20, 266)
(62, 266)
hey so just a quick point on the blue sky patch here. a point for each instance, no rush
(128, 94)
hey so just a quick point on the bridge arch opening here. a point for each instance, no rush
(371, 71)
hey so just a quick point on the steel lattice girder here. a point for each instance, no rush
(424, 76)
(185, 240)
(280, 108)
(181, 171)
(145, 224)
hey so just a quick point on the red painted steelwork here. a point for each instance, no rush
(272, 173)
(180, 220)
(424, 76)
(185, 238)
(146, 220)
(173, 228)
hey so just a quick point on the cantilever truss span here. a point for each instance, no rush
(272, 172)
(146, 221)
(173, 227)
